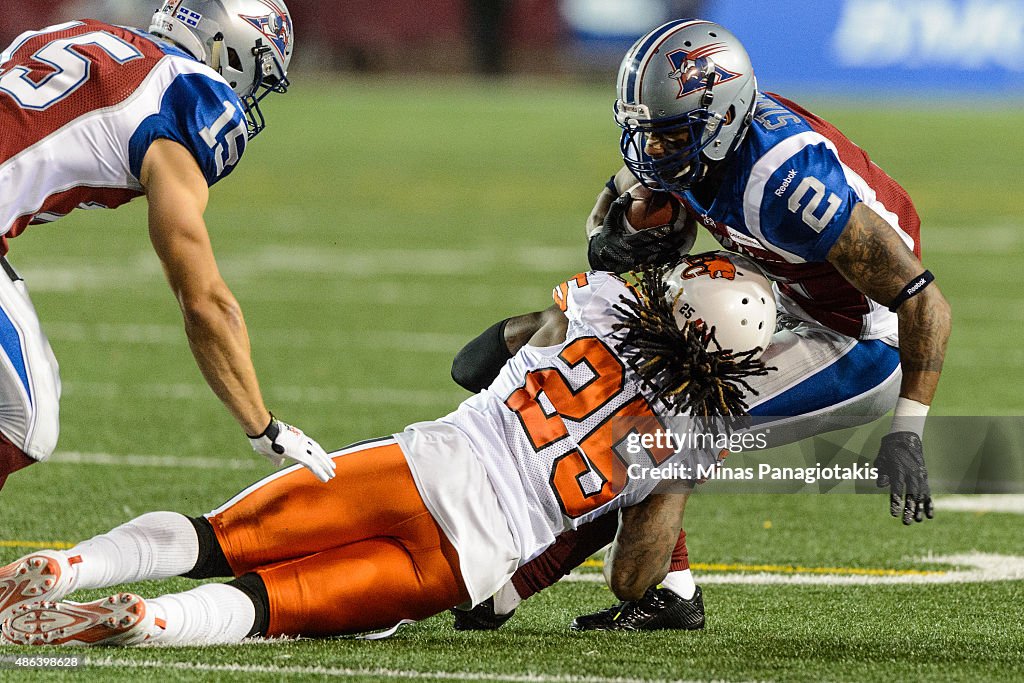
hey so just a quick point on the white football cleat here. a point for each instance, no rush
(121, 619)
(43, 575)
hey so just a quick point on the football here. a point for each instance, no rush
(650, 209)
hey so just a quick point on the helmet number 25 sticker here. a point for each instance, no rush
(70, 69)
(810, 209)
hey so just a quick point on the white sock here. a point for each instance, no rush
(681, 583)
(156, 545)
(506, 599)
(212, 613)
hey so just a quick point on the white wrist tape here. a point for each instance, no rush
(909, 416)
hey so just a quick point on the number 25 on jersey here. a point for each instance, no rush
(596, 454)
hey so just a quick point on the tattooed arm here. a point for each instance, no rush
(875, 260)
(640, 556)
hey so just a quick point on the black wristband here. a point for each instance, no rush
(270, 432)
(912, 288)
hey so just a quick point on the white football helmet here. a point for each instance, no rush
(728, 292)
(248, 42)
(687, 79)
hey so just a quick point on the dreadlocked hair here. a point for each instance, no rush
(685, 368)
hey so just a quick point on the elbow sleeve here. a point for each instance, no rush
(478, 363)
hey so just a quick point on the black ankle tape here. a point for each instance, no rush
(252, 585)
(211, 562)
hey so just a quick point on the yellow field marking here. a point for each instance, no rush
(59, 545)
(699, 566)
(791, 569)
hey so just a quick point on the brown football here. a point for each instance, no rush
(651, 209)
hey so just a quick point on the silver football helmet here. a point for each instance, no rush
(249, 42)
(691, 84)
(728, 292)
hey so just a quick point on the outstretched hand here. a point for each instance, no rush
(281, 442)
(901, 468)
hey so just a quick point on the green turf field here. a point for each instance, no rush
(375, 227)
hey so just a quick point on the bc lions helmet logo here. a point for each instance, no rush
(691, 68)
(712, 265)
(276, 26)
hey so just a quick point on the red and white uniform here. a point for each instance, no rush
(80, 104)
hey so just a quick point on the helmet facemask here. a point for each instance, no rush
(681, 166)
(269, 78)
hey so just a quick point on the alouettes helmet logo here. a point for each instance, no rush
(276, 25)
(692, 67)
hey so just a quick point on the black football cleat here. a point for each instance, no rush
(480, 618)
(659, 609)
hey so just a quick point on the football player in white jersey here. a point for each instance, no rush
(95, 115)
(839, 237)
(445, 511)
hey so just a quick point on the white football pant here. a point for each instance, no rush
(29, 375)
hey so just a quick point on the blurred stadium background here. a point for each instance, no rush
(888, 47)
(428, 174)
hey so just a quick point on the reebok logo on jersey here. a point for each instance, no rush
(786, 183)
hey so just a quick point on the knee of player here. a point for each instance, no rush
(44, 432)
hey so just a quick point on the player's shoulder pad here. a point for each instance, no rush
(797, 197)
(591, 293)
(199, 110)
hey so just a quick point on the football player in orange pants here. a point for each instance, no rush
(440, 514)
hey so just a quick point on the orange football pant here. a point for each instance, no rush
(357, 553)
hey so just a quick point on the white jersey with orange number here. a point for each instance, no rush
(543, 431)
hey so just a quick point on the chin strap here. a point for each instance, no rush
(215, 51)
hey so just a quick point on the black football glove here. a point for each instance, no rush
(613, 249)
(900, 465)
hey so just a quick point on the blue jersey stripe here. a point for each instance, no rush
(864, 367)
(10, 340)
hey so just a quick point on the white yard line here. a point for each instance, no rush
(381, 262)
(972, 241)
(976, 568)
(174, 335)
(443, 400)
(344, 264)
(345, 672)
(1012, 503)
(197, 462)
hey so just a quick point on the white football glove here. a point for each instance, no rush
(281, 442)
